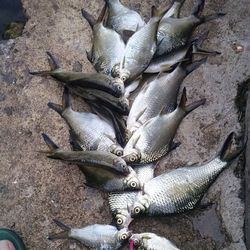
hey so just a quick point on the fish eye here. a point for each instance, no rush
(119, 221)
(137, 210)
(119, 152)
(136, 242)
(133, 184)
(119, 87)
(124, 236)
(123, 78)
(132, 158)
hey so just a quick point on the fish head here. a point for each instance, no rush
(115, 71)
(118, 86)
(116, 149)
(140, 240)
(124, 74)
(133, 156)
(122, 218)
(140, 205)
(124, 234)
(121, 165)
(132, 182)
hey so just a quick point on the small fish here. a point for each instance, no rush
(150, 241)
(122, 19)
(154, 139)
(95, 236)
(108, 47)
(181, 189)
(119, 202)
(90, 131)
(80, 81)
(174, 33)
(101, 169)
(159, 93)
(139, 51)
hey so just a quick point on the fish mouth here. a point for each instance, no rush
(131, 245)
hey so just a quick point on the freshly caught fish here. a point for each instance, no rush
(101, 169)
(181, 189)
(120, 202)
(79, 80)
(139, 51)
(159, 93)
(90, 131)
(122, 19)
(108, 47)
(154, 139)
(95, 236)
(174, 33)
(150, 241)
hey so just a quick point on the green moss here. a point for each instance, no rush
(13, 30)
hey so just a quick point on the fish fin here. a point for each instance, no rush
(200, 51)
(166, 68)
(62, 235)
(174, 145)
(56, 107)
(187, 109)
(102, 14)
(89, 56)
(53, 148)
(228, 153)
(66, 98)
(89, 18)
(198, 8)
(73, 141)
(195, 65)
(140, 114)
(132, 87)
(208, 18)
(126, 34)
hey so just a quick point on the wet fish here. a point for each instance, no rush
(94, 236)
(154, 139)
(90, 131)
(159, 93)
(139, 51)
(174, 33)
(108, 47)
(101, 169)
(150, 241)
(122, 19)
(181, 189)
(80, 81)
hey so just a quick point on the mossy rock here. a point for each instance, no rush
(13, 30)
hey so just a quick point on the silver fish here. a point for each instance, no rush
(181, 189)
(157, 94)
(174, 33)
(150, 241)
(139, 51)
(122, 19)
(108, 47)
(154, 139)
(99, 237)
(89, 130)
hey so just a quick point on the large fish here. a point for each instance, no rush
(108, 47)
(89, 130)
(174, 33)
(80, 81)
(181, 189)
(139, 51)
(157, 94)
(95, 236)
(150, 241)
(154, 139)
(122, 19)
(102, 170)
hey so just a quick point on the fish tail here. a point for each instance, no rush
(188, 108)
(62, 235)
(194, 65)
(90, 19)
(208, 18)
(56, 107)
(40, 73)
(102, 14)
(228, 151)
(198, 8)
(53, 148)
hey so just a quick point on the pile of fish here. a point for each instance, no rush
(133, 95)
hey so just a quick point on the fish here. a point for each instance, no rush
(159, 93)
(154, 139)
(122, 19)
(77, 81)
(90, 132)
(150, 241)
(95, 236)
(139, 51)
(120, 202)
(174, 33)
(181, 189)
(102, 170)
(108, 47)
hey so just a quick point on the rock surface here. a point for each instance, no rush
(34, 189)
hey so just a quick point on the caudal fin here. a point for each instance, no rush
(228, 151)
(188, 108)
(62, 235)
(53, 148)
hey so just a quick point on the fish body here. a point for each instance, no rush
(150, 241)
(154, 139)
(95, 236)
(181, 189)
(139, 51)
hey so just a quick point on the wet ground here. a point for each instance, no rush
(34, 190)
